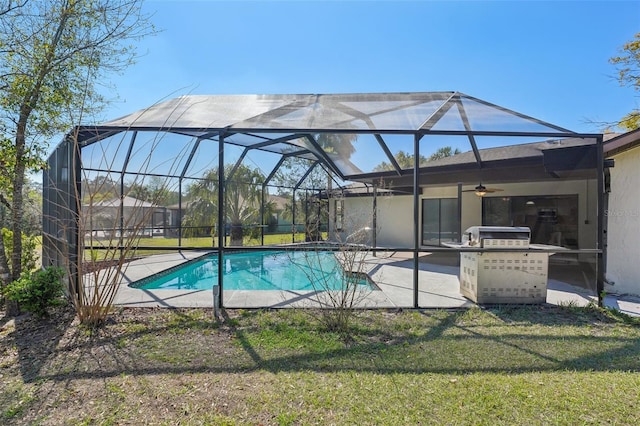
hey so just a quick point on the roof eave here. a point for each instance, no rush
(622, 143)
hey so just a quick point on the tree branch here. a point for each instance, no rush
(10, 7)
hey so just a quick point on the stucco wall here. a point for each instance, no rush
(623, 225)
(358, 215)
(395, 221)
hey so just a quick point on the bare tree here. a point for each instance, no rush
(341, 287)
(110, 232)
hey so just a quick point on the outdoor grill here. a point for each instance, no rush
(502, 277)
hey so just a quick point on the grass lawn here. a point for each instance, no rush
(509, 365)
(213, 242)
(204, 242)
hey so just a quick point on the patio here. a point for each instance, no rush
(392, 273)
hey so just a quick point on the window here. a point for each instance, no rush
(440, 221)
(552, 219)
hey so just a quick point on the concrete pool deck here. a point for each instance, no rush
(391, 272)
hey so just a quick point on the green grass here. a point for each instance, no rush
(204, 242)
(213, 242)
(14, 400)
(208, 241)
(509, 365)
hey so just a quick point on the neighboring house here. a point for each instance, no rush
(623, 214)
(105, 219)
(282, 213)
(281, 220)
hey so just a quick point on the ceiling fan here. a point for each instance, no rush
(482, 190)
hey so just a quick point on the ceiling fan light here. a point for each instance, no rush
(481, 190)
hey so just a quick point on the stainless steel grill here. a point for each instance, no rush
(502, 277)
(497, 236)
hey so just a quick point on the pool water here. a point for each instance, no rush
(264, 270)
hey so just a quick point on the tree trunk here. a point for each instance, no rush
(17, 212)
(236, 234)
(17, 215)
(12, 308)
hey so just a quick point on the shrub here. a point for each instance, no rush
(29, 247)
(38, 291)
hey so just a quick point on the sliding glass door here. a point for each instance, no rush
(440, 221)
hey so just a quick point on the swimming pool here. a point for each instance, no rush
(262, 270)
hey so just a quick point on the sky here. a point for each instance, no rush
(546, 59)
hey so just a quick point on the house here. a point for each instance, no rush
(623, 214)
(549, 186)
(280, 221)
(109, 218)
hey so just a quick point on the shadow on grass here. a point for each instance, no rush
(35, 339)
(411, 342)
(568, 314)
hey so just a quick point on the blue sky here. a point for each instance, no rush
(544, 59)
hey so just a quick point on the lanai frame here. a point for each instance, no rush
(62, 178)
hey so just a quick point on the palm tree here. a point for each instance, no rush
(340, 144)
(202, 206)
(242, 202)
(242, 196)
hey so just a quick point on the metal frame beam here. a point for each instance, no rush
(601, 266)
(264, 185)
(237, 164)
(307, 173)
(438, 114)
(324, 156)
(416, 219)
(221, 230)
(388, 153)
(127, 158)
(467, 126)
(196, 144)
(94, 134)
